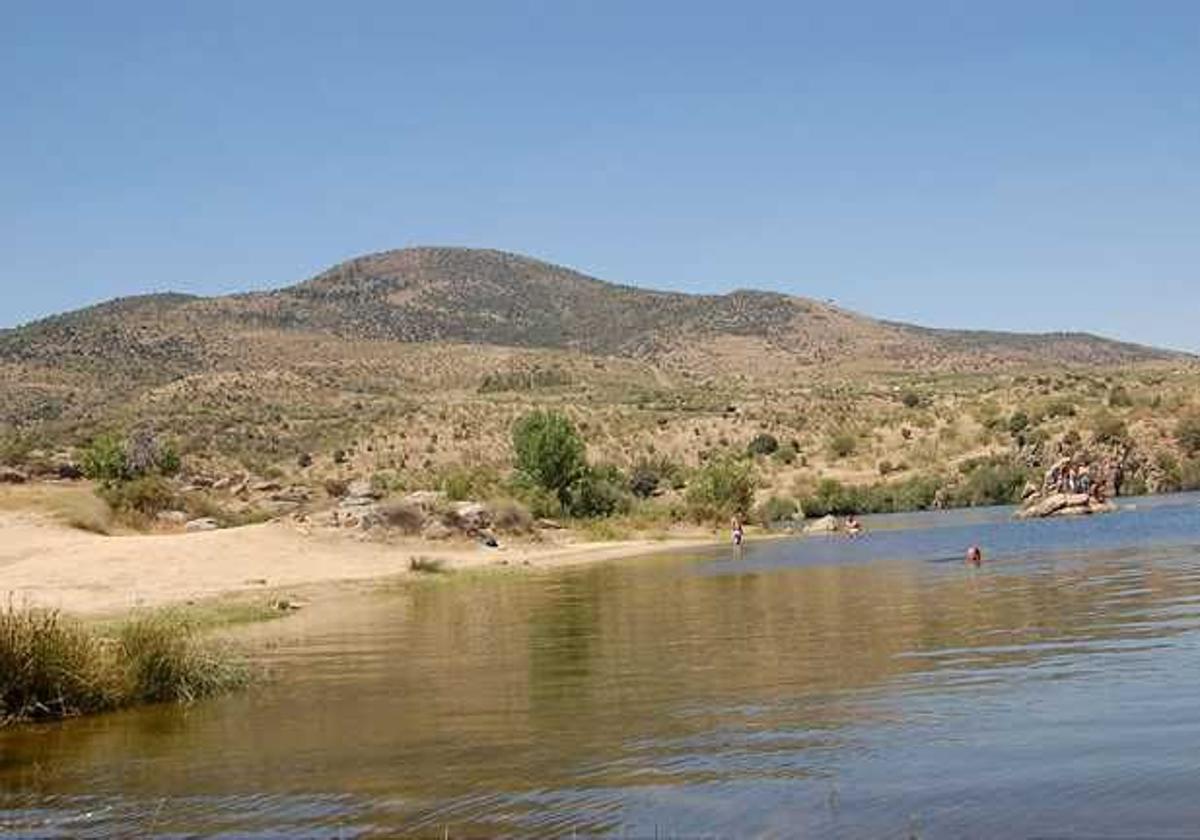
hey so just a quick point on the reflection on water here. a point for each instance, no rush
(854, 688)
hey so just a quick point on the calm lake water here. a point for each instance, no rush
(827, 687)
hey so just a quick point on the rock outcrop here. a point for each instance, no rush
(1064, 504)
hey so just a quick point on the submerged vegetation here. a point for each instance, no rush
(53, 667)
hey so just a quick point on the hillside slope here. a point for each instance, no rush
(483, 297)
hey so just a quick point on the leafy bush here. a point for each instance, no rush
(1187, 434)
(842, 445)
(643, 481)
(776, 509)
(832, 497)
(911, 399)
(549, 452)
(650, 474)
(146, 496)
(1018, 422)
(109, 460)
(599, 492)
(104, 460)
(763, 444)
(989, 482)
(720, 488)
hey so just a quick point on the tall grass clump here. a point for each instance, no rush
(52, 667)
(165, 661)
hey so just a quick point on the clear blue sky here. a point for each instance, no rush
(1019, 165)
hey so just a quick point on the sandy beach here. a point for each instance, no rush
(46, 563)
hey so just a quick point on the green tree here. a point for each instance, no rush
(549, 452)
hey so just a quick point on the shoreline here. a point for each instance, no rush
(47, 564)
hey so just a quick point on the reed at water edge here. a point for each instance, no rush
(53, 667)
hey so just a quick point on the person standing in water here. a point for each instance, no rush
(739, 533)
(974, 556)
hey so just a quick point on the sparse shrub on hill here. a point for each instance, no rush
(720, 489)
(524, 380)
(1187, 434)
(1060, 408)
(911, 399)
(786, 453)
(842, 445)
(549, 452)
(1119, 397)
(336, 488)
(15, 448)
(1108, 429)
(1018, 422)
(763, 444)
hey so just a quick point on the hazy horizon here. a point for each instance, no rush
(1031, 167)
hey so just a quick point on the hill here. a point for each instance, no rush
(484, 297)
(415, 360)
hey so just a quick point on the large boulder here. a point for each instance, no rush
(824, 525)
(430, 501)
(1064, 504)
(362, 489)
(203, 524)
(435, 530)
(471, 517)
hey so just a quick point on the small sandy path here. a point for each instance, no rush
(45, 563)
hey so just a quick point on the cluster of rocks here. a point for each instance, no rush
(42, 467)
(426, 513)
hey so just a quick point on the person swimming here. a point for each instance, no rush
(853, 526)
(974, 556)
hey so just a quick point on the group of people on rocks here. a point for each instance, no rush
(1065, 477)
